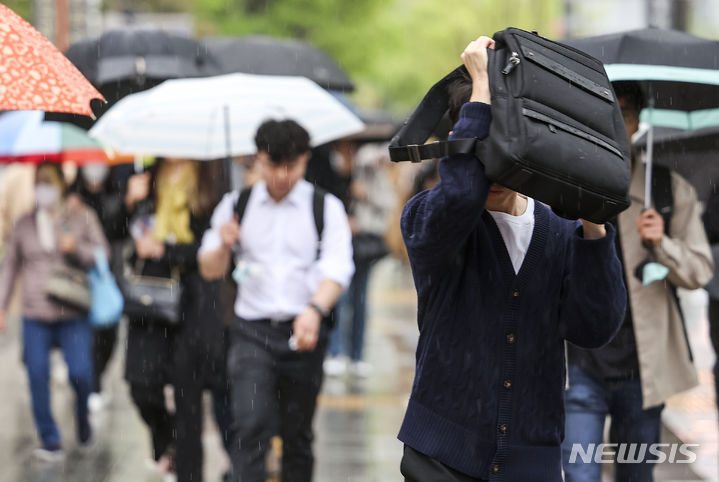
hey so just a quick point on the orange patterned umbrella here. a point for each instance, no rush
(35, 75)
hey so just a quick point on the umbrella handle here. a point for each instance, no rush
(649, 162)
(649, 167)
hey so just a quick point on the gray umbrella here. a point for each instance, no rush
(258, 54)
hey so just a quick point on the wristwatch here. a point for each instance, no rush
(318, 309)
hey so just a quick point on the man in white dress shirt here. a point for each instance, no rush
(290, 278)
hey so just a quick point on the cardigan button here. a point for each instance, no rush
(503, 428)
(507, 384)
(511, 338)
(515, 293)
(495, 469)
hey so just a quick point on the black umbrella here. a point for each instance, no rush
(140, 54)
(258, 54)
(680, 68)
(692, 153)
(122, 62)
(675, 70)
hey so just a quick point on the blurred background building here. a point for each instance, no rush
(591, 17)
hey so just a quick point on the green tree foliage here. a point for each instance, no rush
(394, 50)
(21, 7)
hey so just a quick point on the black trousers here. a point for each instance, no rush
(150, 402)
(274, 390)
(103, 345)
(197, 369)
(418, 467)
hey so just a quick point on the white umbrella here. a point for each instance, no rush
(215, 117)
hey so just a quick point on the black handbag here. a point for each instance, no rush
(70, 286)
(368, 248)
(151, 298)
(556, 135)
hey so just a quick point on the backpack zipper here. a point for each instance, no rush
(512, 62)
(570, 129)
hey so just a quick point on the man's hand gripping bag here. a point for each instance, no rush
(557, 132)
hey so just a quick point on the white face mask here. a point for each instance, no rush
(95, 173)
(46, 195)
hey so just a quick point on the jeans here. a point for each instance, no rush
(348, 336)
(274, 390)
(74, 337)
(587, 403)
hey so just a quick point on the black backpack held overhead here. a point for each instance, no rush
(557, 132)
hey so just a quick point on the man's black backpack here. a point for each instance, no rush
(557, 132)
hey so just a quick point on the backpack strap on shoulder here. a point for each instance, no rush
(241, 204)
(318, 211)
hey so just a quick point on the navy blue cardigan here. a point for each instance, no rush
(487, 398)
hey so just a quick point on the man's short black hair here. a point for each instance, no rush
(631, 91)
(283, 140)
(460, 91)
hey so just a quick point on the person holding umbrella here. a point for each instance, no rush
(169, 209)
(52, 236)
(650, 359)
(295, 259)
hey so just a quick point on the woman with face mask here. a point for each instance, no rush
(51, 235)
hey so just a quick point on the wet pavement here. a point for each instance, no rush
(357, 420)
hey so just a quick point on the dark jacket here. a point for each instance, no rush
(152, 345)
(487, 395)
(110, 208)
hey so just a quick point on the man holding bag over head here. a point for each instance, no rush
(501, 283)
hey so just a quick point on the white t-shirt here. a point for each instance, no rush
(516, 232)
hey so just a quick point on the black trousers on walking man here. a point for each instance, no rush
(273, 389)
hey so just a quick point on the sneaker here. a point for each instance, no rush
(334, 366)
(361, 369)
(49, 454)
(95, 402)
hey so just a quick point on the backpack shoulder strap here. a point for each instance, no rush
(662, 194)
(318, 211)
(409, 143)
(241, 204)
